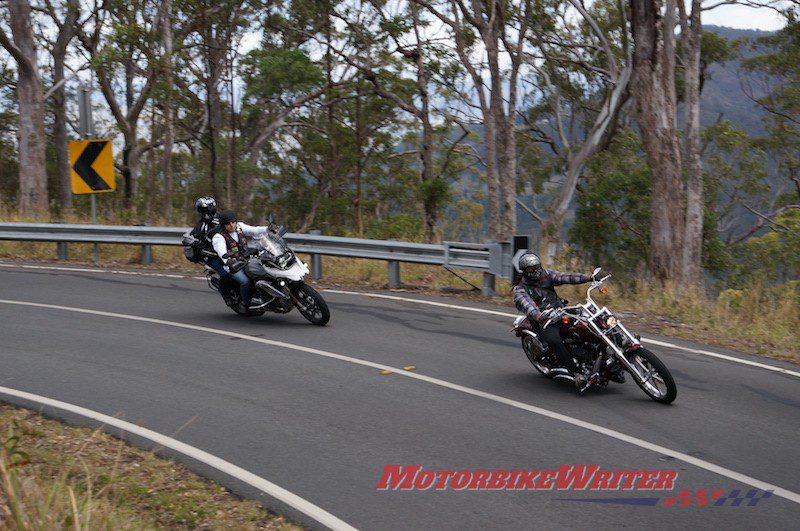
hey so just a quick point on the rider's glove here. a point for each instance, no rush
(230, 261)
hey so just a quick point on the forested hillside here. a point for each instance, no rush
(418, 120)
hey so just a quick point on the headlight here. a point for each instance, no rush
(611, 321)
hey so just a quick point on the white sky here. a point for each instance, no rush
(743, 17)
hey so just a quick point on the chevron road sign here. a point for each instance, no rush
(92, 166)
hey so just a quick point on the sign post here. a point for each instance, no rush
(91, 161)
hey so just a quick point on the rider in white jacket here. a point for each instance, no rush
(231, 239)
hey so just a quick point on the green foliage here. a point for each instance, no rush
(774, 256)
(270, 73)
(613, 217)
(400, 226)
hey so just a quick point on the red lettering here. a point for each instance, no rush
(546, 479)
(479, 478)
(630, 478)
(395, 476)
(498, 480)
(601, 480)
(442, 476)
(424, 479)
(527, 479)
(579, 475)
(666, 480)
(461, 479)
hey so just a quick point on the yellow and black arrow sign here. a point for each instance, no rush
(92, 165)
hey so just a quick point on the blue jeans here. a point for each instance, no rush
(224, 277)
(244, 285)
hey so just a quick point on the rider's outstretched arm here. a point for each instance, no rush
(558, 278)
(252, 231)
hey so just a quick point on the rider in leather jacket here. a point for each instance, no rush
(534, 293)
(203, 231)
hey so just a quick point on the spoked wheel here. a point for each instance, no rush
(652, 376)
(537, 354)
(310, 304)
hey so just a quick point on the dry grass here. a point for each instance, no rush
(760, 320)
(57, 477)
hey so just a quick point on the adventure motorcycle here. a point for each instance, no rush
(603, 349)
(277, 278)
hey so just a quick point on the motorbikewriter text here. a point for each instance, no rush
(566, 477)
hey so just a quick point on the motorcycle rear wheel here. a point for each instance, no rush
(536, 351)
(652, 376)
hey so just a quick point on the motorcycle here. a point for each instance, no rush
(276, 275)
(603, 349)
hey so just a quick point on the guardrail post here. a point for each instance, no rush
(147, 250)
(394, 271)
(61, 251)
(316, 260)
(61, 247)
(495, 258)
(488, 285)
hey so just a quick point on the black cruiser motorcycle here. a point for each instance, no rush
(603, 349)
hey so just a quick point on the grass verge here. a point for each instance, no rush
(54, 476)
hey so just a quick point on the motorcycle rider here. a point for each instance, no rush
(231, 238)
(534, 293)
(206, 206)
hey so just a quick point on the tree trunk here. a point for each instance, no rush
(166, 161)
(33, 197)
(359, 219)
(495, 139)
(653, 83)
(149, 194)
(691, 33)
(60, 136)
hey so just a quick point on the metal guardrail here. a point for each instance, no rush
(492, 258)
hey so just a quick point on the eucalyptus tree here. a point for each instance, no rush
(487, 35)
(403, 63)
(65, 19)
(121, 39)
(653, 82)
(577, 94)
(33, 194)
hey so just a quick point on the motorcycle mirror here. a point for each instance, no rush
(271, 219)
(282, 230)
(596, 270)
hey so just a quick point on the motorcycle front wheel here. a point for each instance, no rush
(310, 304)
(652, 376)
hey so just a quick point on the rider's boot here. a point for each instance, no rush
(256, 302)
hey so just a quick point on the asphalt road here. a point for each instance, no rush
(324, 428)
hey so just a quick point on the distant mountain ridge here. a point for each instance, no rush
(723, 94)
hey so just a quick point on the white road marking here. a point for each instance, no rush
(88, 270)
(711, 467)
(656, 342)
(320, 515)
(513, 315)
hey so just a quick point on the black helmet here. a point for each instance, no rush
(226, 217)
(206, 206)
(530, 265)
